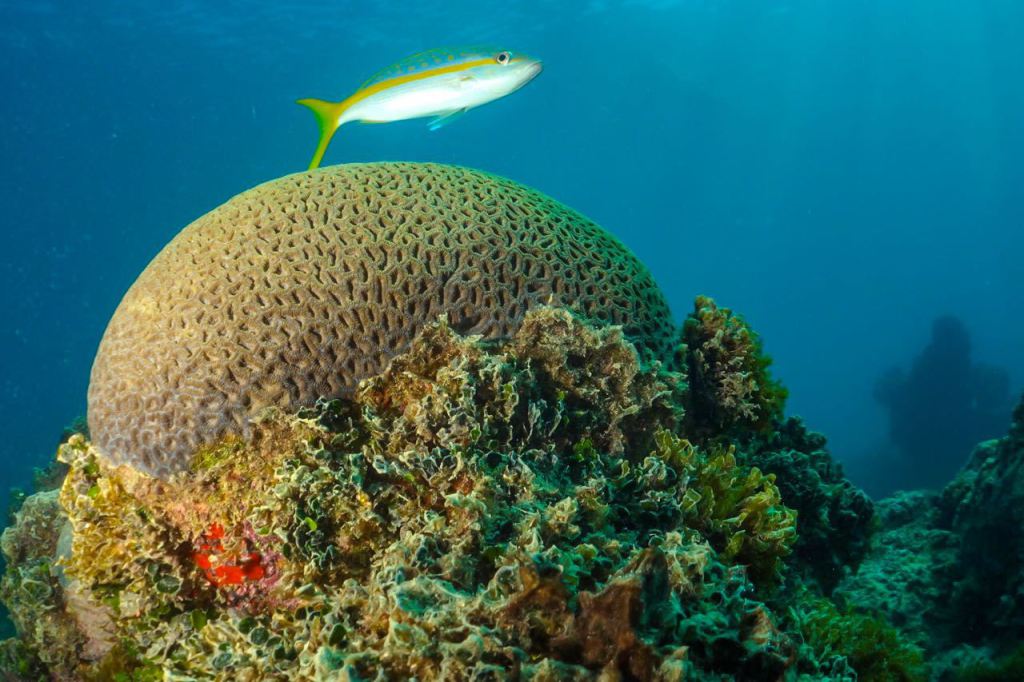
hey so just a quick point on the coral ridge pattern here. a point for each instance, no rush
(407, 421)
(301, 287)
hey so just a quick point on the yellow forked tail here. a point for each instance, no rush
(327, 115)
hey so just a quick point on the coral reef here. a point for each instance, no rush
(984, 507)
(1007, 668)
(730, 387)
(948, 568)
(836, 517)
(732, 396)
(49, 635)
(528, 508)
(908, 568)
(303, 286)
(872, 648)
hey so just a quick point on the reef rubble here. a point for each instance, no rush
(549, 506)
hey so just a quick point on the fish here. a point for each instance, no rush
(442, 83)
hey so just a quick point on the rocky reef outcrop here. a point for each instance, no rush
(947, 567)
(551, 506)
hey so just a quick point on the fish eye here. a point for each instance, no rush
(503, 58)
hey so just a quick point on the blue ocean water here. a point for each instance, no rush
(842, 173)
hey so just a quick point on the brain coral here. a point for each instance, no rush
(303, 286)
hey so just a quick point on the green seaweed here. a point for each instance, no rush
(1009, 668)
(479, 508)
(731, 388)
(738, 509)
(217, 453)
(18, 661)
(836, 517)
(123, 663)
(874, 649)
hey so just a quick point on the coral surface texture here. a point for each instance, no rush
(301, 287)
(415, 422)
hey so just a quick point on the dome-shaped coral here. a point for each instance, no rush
(303, 286)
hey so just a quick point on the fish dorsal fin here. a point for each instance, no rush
(446, 118)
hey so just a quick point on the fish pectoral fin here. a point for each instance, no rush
(446, 118)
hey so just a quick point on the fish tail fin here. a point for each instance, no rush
(327, 115)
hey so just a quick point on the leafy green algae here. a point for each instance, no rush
(731, 388)
(1009, 667)
(528, 509)
(872, 648)
(738, 510)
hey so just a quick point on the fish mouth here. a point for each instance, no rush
(533, 69)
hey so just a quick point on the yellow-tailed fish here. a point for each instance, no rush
(442, 83)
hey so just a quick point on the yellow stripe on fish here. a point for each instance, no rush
(439, 83)
(429, 59)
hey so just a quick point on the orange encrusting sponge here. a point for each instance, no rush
(209, 559)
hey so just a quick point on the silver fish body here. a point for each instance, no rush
(442, 84)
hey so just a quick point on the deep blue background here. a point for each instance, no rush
(840, 172)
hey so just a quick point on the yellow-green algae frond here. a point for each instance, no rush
(731, 389)
(524, 509)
